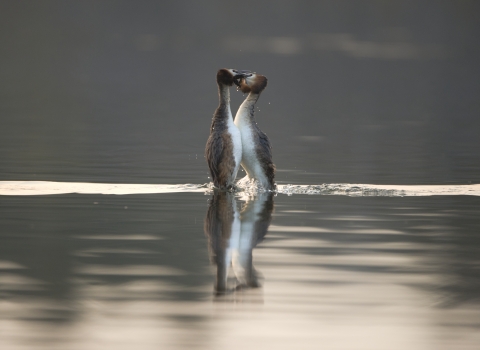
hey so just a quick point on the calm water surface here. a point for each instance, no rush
(100, 272)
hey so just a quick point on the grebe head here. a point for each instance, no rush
(255, 83)
(231, 76)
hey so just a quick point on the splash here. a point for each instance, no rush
(248, 187)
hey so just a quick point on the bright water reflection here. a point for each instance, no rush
(233, 234)
(102, 272)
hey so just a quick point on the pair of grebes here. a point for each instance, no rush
(233, 233)
(240, 141)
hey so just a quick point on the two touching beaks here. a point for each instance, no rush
(246, 81)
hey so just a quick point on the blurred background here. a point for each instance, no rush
(123, 91)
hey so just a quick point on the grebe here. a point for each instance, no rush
(257, 151)
(224, 145)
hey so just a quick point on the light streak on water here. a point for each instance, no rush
(31, 188)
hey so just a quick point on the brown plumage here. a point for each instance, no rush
(219, 155)
(225, 77)
(263, 150)
(223, 151)
(257, 86)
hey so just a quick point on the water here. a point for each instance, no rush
(370, 243)
(97, 271)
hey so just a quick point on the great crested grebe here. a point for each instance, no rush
(223, 150)
(257, 151)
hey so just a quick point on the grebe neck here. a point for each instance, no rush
(223, 114)
(252, 98)
(223, 95)
(246, 112)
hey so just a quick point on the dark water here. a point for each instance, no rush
(123, 92)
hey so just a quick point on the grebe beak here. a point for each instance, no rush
(239, 75)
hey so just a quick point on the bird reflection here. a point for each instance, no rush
(232, 235)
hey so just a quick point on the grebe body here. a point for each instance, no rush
(223, 150)
(257, 150)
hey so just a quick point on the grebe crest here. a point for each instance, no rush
(254, 83)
